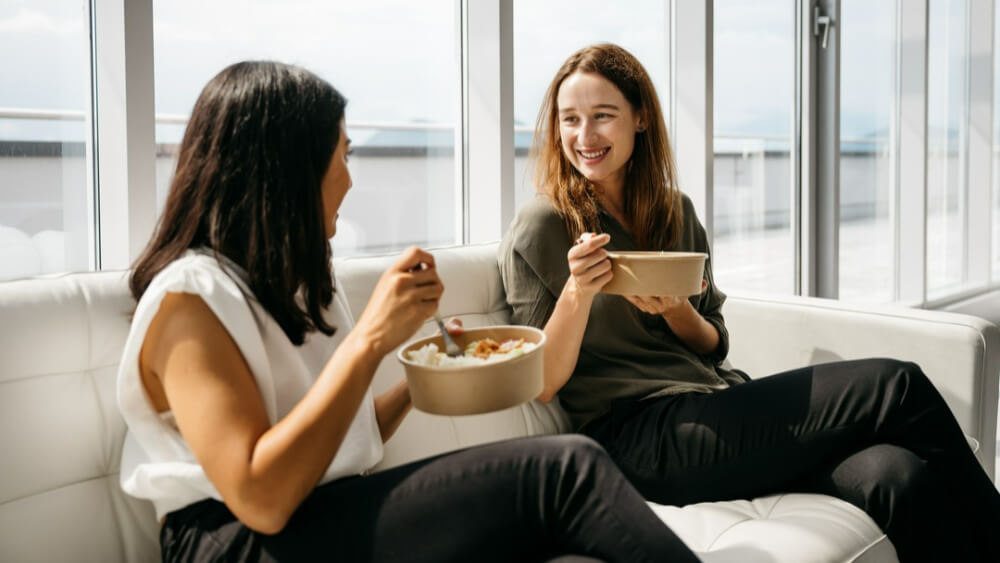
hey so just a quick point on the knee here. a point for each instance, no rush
(575, 449)
(900, 374)
(581, 445)
(893, 475)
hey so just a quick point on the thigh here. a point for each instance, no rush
(520, 500)
(751, 439)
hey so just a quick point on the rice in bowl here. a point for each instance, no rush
(477, 352)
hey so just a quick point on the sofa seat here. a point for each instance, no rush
(785, 528)
(61, 435)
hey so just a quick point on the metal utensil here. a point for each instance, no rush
(450, 347)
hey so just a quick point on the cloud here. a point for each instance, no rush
(27, 20)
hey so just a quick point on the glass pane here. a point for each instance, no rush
(44, 210)
(539, 52)
(947, 87)
(396, 61)
(867, 156)
(754, 88)
(996, 146)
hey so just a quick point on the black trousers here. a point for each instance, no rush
(534, 499)
(875, 433)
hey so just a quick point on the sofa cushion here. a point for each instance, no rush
(788, 528)
(60, 430)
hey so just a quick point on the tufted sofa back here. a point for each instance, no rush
(61, 434)
(60, 431)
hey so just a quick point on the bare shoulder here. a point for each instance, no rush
(186, 333)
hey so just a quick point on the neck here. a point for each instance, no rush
(613, 201)
(611, 194)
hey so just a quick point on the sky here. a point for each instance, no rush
(397, 60)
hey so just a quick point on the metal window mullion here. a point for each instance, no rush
(90, 147)
(819, 200)
(488, 110)
(827, 234)
(691, 104)
(911, 188)
(125, 140)
(979, 170)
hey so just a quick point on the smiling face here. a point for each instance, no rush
(597, 128)
(336, 182)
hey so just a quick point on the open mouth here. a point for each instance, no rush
(593, 155)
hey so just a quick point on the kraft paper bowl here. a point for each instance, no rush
(476, 389)
(654, 273)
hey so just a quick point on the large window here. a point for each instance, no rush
(45, 218)
(995, 224)
(947, 144)
(754, 88)
(396, 61)
(547, 33)
(868, 71)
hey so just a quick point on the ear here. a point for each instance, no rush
(640, 123)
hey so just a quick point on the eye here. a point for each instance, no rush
(348, 154)
(569, 119)
(603, 115)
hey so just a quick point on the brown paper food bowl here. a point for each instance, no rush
(457, 390)
(654, 273)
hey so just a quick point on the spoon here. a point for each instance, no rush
(450, 347)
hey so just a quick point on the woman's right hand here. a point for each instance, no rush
(589, 266)
(406, 295)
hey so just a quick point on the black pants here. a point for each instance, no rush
(521, 500)
(872, 432)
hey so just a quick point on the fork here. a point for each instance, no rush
(450, 347)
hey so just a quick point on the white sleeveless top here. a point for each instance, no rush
(157, 463)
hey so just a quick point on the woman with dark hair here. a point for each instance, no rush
(644, 377)
(252, 426)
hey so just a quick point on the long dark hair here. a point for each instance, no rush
(652, 198)
(248, 187)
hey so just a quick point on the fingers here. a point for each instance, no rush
(592, 241)
(640, 303)
(414, 258)
(586, 246)
(595, 273)
(454, 326)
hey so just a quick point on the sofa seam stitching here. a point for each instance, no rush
(53, 489)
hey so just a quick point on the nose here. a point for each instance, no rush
(588, 131)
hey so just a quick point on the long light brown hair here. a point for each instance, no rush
(652, 199)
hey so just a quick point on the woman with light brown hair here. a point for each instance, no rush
(644, 376)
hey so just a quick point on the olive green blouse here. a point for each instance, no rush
(625, 353)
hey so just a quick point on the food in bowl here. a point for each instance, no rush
(477, 352)
(506, 372)
(660, 274)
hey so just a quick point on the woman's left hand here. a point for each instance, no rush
(660, 305)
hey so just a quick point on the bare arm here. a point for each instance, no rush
(590, 270)
(264, 472)
(391, 407)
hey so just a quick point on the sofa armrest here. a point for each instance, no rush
(959, 353)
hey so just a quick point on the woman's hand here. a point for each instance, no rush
(589, 266)
(662, 305)
(454, 326)
(406, 295)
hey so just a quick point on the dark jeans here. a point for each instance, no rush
(872, 432)
(521, 500)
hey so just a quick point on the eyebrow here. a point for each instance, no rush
(598, 106)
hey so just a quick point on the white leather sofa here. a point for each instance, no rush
(61, 434)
